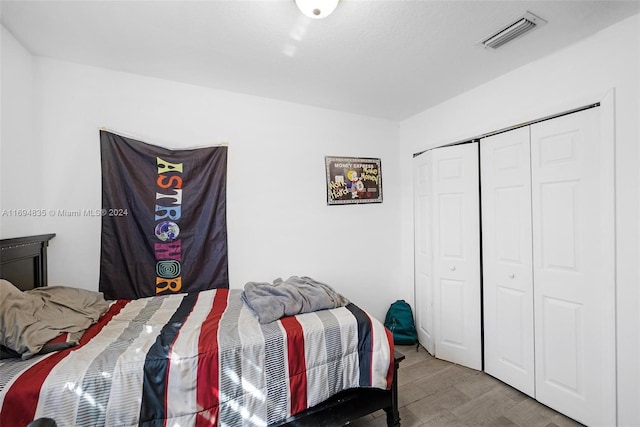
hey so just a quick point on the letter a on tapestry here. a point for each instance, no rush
(164, 221)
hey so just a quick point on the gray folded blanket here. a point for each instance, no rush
(296, 295)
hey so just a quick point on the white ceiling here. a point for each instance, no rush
(388, 59)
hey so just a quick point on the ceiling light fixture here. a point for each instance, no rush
(317, 9)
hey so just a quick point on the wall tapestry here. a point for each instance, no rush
(353, 180)
(164, 227)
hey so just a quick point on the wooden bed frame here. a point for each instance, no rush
(23, 262)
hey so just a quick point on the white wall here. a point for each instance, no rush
(573, 77)
(278, 221)
(19, 151)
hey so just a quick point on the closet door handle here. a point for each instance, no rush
(452, 268)
(511, 275)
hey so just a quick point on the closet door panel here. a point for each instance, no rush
(423, 205)
(573, 285)
(507, 259)
(456, 256)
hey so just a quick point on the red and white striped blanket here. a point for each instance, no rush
(197, 359)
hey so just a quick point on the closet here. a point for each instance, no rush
(532, 239)
(447, 256)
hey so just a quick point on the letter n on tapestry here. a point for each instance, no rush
(164, 224)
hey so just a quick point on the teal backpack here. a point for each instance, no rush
(399, 321)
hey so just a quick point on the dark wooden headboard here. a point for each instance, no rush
(23, 261)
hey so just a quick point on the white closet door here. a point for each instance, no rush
(506, 259)
(574, 281)
(456, 247)
(423, 205)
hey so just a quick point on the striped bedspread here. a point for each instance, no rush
(195, 360)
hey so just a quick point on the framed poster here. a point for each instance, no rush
(353, 180)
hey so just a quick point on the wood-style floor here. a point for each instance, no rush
(433, 392)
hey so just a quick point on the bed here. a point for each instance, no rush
(199, 359)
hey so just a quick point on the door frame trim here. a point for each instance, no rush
(608, 247)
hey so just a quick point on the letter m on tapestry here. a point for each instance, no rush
(164, 222)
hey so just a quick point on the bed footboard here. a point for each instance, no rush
(350, 405)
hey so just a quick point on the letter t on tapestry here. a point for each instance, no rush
(164, 222)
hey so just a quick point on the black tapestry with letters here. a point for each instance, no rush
(164, 226)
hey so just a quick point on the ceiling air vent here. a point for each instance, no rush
(521, 25)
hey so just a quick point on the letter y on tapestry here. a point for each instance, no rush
(164, 223)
